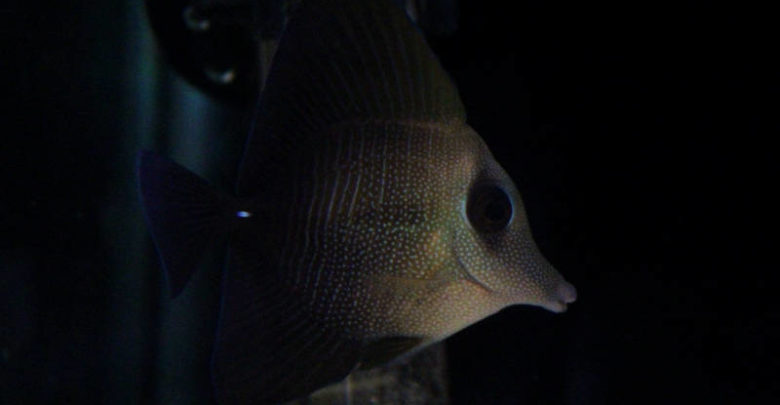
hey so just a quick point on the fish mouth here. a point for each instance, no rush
(564, 294)
(555, 306)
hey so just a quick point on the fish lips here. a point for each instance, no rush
(563, 294)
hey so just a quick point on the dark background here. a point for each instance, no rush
(640, 135)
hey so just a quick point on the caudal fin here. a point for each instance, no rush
(184, 213)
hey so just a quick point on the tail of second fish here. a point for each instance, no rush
(185, 214)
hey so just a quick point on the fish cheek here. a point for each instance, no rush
(498, 261)
(525, 275)
(477, 256)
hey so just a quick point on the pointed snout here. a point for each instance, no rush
(563, 294)
(566, 292)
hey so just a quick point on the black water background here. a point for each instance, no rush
(639, 135)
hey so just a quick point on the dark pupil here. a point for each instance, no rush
(489, 209)
(496, 210)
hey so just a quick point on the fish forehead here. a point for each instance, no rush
(408, 161)
(376, 167)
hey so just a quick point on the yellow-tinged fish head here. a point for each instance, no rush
(452, 243)
(493, 242)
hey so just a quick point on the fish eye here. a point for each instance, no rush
(489, 208)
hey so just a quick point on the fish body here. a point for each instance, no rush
(370, 220)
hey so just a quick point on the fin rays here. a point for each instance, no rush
(343, 61)
(183, 212)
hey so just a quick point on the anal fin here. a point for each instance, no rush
(383, 350)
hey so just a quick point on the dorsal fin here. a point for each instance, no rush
(342, 60)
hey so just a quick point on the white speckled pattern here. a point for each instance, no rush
(379, 242)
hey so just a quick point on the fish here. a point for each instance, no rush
(369, 219)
